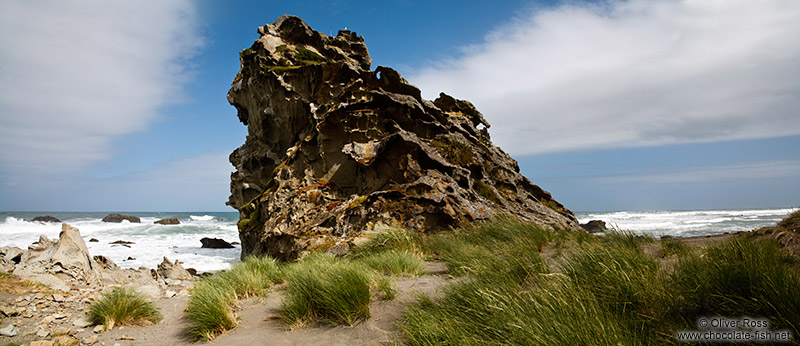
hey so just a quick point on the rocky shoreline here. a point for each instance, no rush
(49, 287)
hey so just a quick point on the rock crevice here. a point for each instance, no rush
(334, 148)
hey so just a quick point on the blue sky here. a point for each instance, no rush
(614, 105)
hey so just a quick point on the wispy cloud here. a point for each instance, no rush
(632, 73)
(75, 74)
(734, 172)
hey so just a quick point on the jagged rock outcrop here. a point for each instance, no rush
(595, 226)
(173, 270)
(67, 258)
(334, 148)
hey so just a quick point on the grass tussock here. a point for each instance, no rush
(395, 263)
(324, 289)
(674, 247)
(388, 239)
(210, 309)
(123, 306)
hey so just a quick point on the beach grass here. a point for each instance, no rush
(606, 291)
(210, 309)
(123, 306)
(740, 277)
(394, 263)
(322, 288)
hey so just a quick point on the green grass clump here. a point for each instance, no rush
(309, 56)
(210, 309)
(454, 151)
(388, 239)
(395, 263)
(122, 306)
(740, 277)
(322, 288)
(674, 247)
(627, 238)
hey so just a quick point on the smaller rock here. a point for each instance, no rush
(8, 311)
(10, 330)
(82, 322)
(42, 343)
(595, 226)
(235, 243)
(122, 242)
(42, 333)
(59, 316)
(169, 221)
(117, 218)
(170, 293)
(151, 291)
(170, 270)
(58, 298)
(90, 340)
(98, 329)
(94, 240)
(215, 243)
(45, 218)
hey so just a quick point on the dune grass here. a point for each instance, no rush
(123, 306)
(210, 309)
(740, 277)
(607, 290)
(324, 289)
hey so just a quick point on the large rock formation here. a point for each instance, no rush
(334, 148)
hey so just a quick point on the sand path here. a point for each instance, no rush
(259, 325)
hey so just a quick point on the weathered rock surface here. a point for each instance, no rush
(334, 148)
(119, 217)
(46, 218)
(67, 257)
(215, 243)
(169, 221)
(10, 256)
(173, 270)
(595, 226)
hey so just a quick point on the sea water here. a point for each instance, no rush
(152, 242)
(688, 223)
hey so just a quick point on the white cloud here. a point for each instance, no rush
(74, 74)
(633, 73)
(764, 170)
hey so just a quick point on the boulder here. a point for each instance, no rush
(67, 256)
(46, 218)
(215, 243)
(169, 221)
(335, 148)
(172, 270)
(10, 256)
(595, 226)
(119, 217)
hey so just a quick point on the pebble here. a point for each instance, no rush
(90, 340)
(10, 330)
(42, 343)
(98, 329)
(82, 322)
(42, 333)
(58, 298)
(170, 293)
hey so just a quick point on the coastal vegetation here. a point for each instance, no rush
(123, 306)
(518, 283)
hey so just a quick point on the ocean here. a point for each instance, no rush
(151, 242)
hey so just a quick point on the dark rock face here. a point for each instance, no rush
(334, 148)
(46, 218)
(170, 221)
(215, 243)
(594, 226)
(119, 217)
